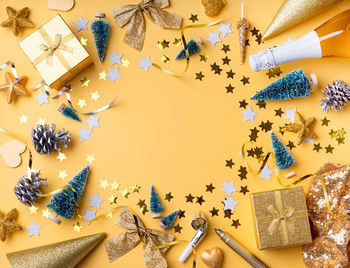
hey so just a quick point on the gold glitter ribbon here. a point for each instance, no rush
(137, 232)
(185, 43)
(132, 14)
(53, 48)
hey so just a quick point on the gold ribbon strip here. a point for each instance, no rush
(132, 14)
(53, 48)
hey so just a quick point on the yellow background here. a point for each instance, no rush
(173, 132)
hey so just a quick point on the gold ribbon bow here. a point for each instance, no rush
(50, 50)
(135, 33)
(280, 217)
(126, 241)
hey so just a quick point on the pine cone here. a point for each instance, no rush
(46, 141)
(336, 95)
(28, 189)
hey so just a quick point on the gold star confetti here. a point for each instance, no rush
(23, 119)
(103, 184)
(94, 96)
(125, 193)
(162, 45)
(90, 158)
(125, 63)
(112, 199)
(144, 210)
(193, 18)
(115, 185)
(341, 133)
(85, 82)
(61, 156)
(45, 213)
(165, 58)
(177, 42)
(41, 121)
(62, 174)
(81, 103)
(141, 203)
(333, 134)
(135, 188)
(77, 227)
(109, 215)
(168, 196)
(33, 209)
(83, 41)
(102, 75)
(203, 57)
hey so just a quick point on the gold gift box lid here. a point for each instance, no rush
(55, 52)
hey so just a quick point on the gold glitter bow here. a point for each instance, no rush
(135, 33)
(280, 217)
(50, 50)
(126, 241)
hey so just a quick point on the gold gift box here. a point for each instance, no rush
(55, 52)
(281, 218)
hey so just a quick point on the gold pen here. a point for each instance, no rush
(240, 250)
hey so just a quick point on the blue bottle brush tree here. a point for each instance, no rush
(154, 204)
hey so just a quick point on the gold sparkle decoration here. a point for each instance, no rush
(112, 199)
(95, 96)
(104, 184)
(125, 63)
(33, 209)
(62, 174)
(115, 185)
(125, 193)
(41, 121)
(23, 119)
(90, 158)
(81, 103)
(77, 227)
(135, 188)
(109, 215)
(203, 57)
(17, 19)
(162, 45)
(61, 156)
(85, 82)
(303, 128)
(177, 42)
(102, 75)
(83, 41)
(165, 58)
(45, 213)
(8, 224)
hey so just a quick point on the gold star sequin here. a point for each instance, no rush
(85, 82)
(165, 58)
(115, 185)
(144, 210)
(81, 103)
(109, 215)
(90, 158)
(41, 121)
(141, 203)
(112, 199)
(177, 42)
(125, 63)
(77, 227)
(62, 174)
(341, 133)
(333, 134)
(125, 193)
(103, 184)
(45, 213)
(61, 156)
(203, 57)
(102, 75)
(135, 188)
(83, 41)
(23, 119)
(162, 45)
(168, 197)
(33, 209)
(95, 96)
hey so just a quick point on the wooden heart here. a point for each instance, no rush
(63, 5)
(11, 152)
(212, 258)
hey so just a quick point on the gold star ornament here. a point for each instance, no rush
(8, 224)
(303, 128)
(13, 88)
(17, 19)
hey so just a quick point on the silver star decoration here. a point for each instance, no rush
(146, 63)
(93, 121)
(95, 201)
(113, 74)
(33, 229)
(230, 204)
(309, 140)
(266, 173)
(81, 24)
(213, 38)
(115, 58)
(225, 29)
(229, 188)
(84, 134)
(89, 215)
(42, 98)
(290, 114)
(249, 114)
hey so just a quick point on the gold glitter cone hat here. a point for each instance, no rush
(64, 254)
(293, 12)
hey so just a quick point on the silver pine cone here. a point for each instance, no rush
(336, 95)
(45, 139)
(27, 189)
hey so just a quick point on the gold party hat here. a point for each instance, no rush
(293, 12)
(64, 254)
